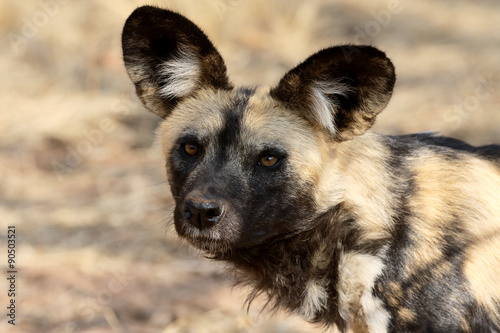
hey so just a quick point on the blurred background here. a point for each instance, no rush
(82, 179)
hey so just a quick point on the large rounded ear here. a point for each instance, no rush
(169, 58)
(341, 89)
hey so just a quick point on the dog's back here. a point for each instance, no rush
(442, 262)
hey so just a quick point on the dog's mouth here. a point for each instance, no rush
(209, 241)
(218, 227)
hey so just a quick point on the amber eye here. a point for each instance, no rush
(268, 161)
(190, 149)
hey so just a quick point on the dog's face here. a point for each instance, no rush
(246, 165)
(239, 165)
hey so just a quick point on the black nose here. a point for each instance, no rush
(202, 213)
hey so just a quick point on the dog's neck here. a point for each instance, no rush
(298, 274)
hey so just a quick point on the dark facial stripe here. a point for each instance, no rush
(232, 119)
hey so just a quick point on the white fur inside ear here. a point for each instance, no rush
(323, 107)
(181, 74)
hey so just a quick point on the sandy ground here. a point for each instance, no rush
(82, 181)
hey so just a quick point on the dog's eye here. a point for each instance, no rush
(268, 161)
(190, 149)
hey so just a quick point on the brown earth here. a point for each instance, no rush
(82, 181)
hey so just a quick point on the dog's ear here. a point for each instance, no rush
(341, 89)
(169, 58)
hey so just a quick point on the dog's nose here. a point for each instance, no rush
(202, 213)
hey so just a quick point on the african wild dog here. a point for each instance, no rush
(363, 231)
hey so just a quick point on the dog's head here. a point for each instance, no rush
(247, 165)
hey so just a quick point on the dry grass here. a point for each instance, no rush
(82, 181)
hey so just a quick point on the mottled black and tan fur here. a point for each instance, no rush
(367, 232)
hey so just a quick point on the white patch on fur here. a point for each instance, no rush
(324, 108)
(182, 75)
(315, 299)
(362, 164)
(357, 275)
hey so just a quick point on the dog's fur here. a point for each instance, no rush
(366, 232)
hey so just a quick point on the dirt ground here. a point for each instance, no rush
(82, 179)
